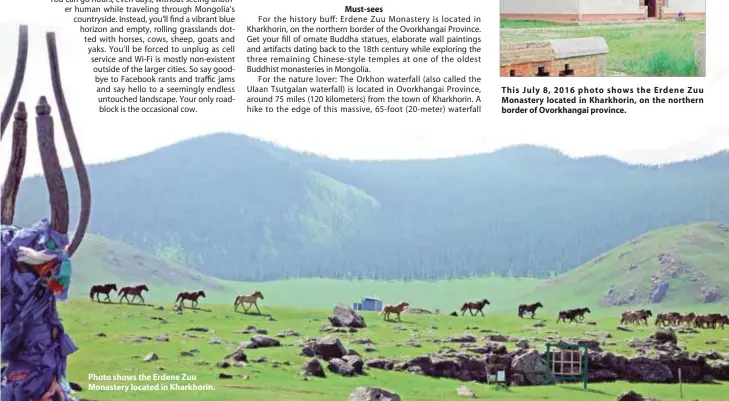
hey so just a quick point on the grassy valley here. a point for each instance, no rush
(677, 267)
(100, 260)
(230, 215)
(115, 339)
(130, 333)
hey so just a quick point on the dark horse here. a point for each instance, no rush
(102, 289)
(134, 291)
(572, 315)
(477, 306)
(524, 308)
(189, 296)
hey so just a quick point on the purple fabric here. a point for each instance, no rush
(33, 355)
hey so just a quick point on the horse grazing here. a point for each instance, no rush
(102, 289)
(477, 306)
(524, 308)
(135, 292)
(189, 296)
(572, 315)
(251, 300)
(396, 309)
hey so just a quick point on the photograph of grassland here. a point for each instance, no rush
(642, 49)
(641, 252)
(654, 38)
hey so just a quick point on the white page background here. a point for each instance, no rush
(647, 134)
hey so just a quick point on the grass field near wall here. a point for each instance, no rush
(523, 24)
(636, 49)
(122, 347)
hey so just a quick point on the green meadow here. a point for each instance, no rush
(523, 24)
(114, 339)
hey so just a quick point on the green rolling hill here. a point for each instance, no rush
(675, 267)
(236, 208)
(101, 261)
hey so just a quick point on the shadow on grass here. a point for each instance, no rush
(253, 314)
(196, 309)
(127, 304)
(104, 302)
(397, 321)
(579, 388)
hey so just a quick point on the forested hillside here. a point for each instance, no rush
(237, 208)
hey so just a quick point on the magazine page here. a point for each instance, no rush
(405, 200)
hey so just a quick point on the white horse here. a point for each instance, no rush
(251, 300)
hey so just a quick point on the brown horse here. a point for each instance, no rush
(102, 289)
(636, 317)
(396, 309)
(524, 308)
(189, 296)
(572, 315)
(710, 321)
(581, 313)
(251, 300)
(717, 319)
(477, 306)
(668, 319)
(687, 319)
(702, 321)
(135, 292)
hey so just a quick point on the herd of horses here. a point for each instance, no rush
(192, 297)
(710, 321)
(577, 315)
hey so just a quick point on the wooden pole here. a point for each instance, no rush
(680, 383)
(73, 149)
(549, 365)
(585, 373)
(17, 164)
(20, 64)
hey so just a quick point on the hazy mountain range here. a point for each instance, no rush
(238, 208)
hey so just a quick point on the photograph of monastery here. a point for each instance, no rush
(598, 38)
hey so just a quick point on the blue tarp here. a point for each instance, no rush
(34, 343)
